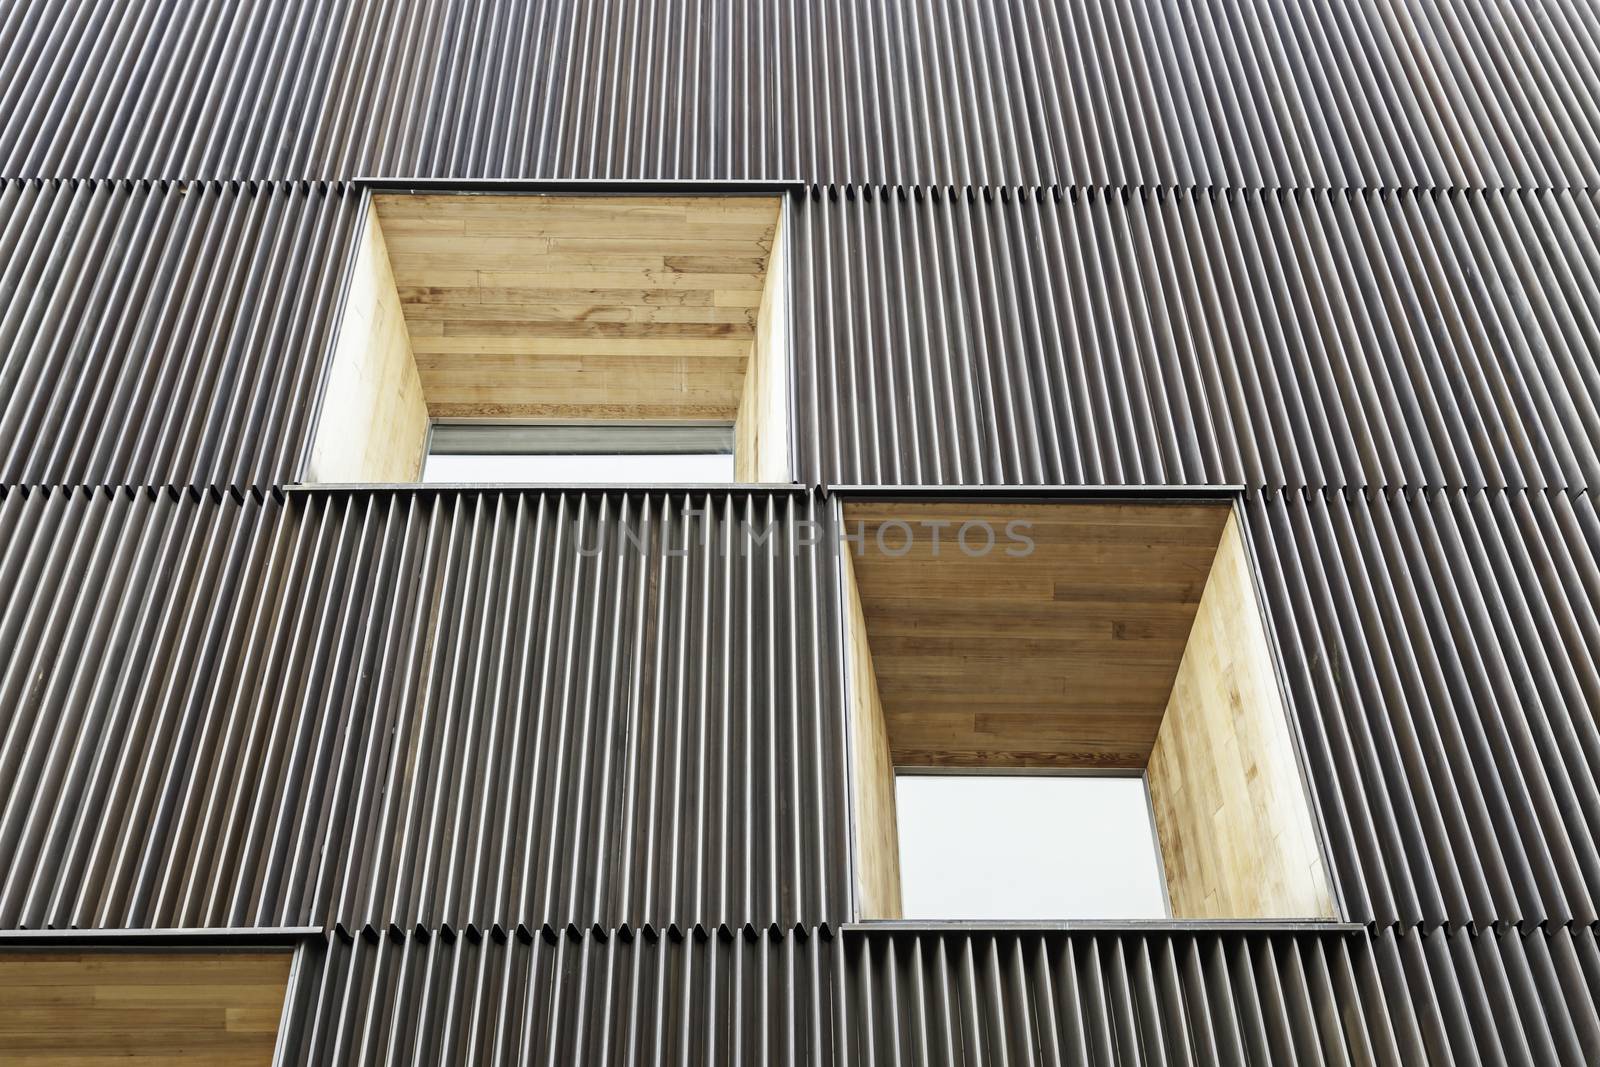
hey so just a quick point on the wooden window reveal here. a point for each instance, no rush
(528, 308)
(1128, 638)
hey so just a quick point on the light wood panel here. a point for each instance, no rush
(81, 1008)
(1064, 657)
(527, 306)
(761, 451)
(876, 835)
(1237, 833)
(373, 424)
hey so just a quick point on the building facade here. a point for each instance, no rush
(303, 761)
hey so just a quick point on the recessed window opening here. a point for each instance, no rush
(583, 454)
(1016, 847)
(1092, 638)
(589, 312)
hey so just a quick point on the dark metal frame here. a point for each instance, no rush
(652, 488)
(230, 937)
(1040, 494)
(1129, 926)
(585, 186)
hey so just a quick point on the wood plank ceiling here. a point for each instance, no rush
(83, 1007)
(1064, 657)
(580, 307)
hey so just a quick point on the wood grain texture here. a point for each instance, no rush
(580, 306)
(874, 830)
(373, 424)
(1061, 658)
(761, 431)
(1236, 828)
(70, 1009)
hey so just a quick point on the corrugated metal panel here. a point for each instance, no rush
(567, 996)
(813, 997)
(1116, 998)
(433, 722)
(1224, 998)
(810, 996)
(1440, 649)
(156, 333)
(175, 334)
(1495, 997)
(404, 708)
(1188, 338)
(1355, 92)
(117, 633)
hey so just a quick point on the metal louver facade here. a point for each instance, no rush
(393, 710)
(1440, 646)
(1353, 93)
(718, 995)
(1222, 336)
(554, 774)
(165, 332)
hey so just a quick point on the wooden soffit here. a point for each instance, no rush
(1063, 657)
(543, 306)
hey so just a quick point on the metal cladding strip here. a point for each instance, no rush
(1115, 998)
(1393, 93)
(813, 996)
(1495, 997)
(162, 333)
(120, 632)
(425, 707)
(1170, 337)
(1439, 650)
(567, 995)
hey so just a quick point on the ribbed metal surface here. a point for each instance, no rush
(560, 996)
(1335, 251)
(1189, 338)
(155, 333)
(1116, 998)
(116, 636)
(1440, 649)
(1494, 997)
(1351, 93)
(809, 996)
(443, 708)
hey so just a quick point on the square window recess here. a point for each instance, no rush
(573, 328)
(1091, 637)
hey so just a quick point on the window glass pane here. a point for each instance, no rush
(581, 438)
(994, 847)
(581, 469)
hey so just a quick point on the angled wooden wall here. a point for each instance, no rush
(1237, 835)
